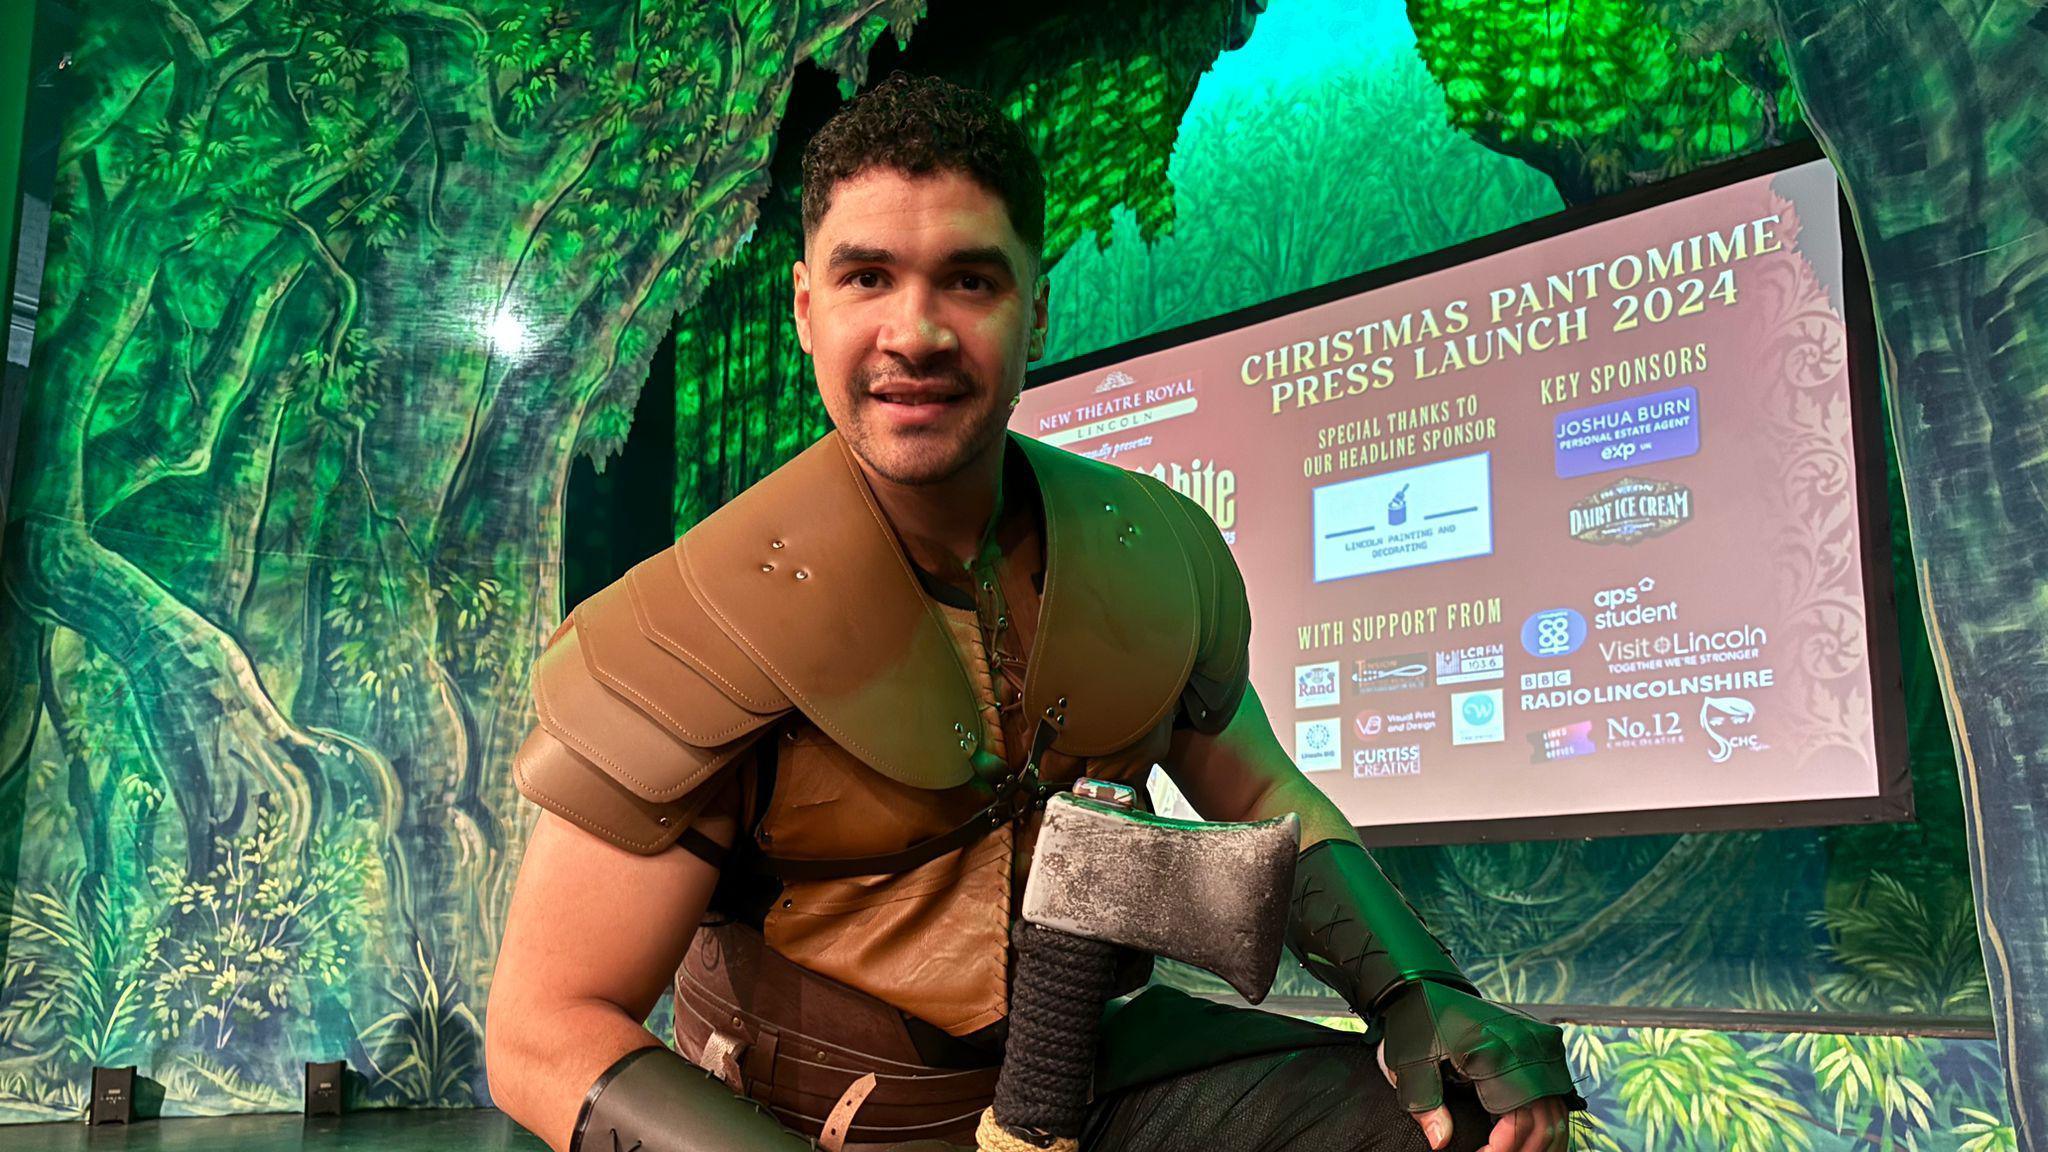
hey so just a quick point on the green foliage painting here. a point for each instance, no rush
(338, 289)
(1603, 94)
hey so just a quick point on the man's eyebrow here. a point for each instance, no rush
(988, 255)
(845, 253)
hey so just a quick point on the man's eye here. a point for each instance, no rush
(867, 279)
(976, 283)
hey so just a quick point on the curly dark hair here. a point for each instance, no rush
(923, 124)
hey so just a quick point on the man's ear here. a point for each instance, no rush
(1039, 314)
(800, 284)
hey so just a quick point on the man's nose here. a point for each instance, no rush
(915, 329)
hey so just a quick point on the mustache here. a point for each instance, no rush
(957, 379)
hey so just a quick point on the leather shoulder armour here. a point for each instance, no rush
(1222, 668)
(640, 699)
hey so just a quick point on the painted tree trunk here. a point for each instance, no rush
(1933, 111)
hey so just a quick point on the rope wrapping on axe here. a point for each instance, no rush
(1055, 1012)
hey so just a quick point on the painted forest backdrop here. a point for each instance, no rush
(343, 293)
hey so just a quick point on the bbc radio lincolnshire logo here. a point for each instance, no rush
(1477, 717)
(1317, 685)
(1316, 745)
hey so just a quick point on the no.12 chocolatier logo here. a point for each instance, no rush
(1631, 510)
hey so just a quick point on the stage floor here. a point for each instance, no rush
(478, 1129)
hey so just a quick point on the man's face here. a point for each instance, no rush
(918, 304)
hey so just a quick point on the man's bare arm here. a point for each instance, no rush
(595, 934)
(1242, 773)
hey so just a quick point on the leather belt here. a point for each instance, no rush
(735, 1001)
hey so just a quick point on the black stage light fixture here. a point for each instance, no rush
(323, 1087)
(113, 1096)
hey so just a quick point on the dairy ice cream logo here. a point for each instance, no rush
(1725, 720)
(1630, 511)
(1562, 742)
(1215, 489)
(1316, 685)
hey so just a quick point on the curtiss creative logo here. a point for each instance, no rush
(1724, 719)
(1553, 632)
(1395, 760)
(1316, 745)
(1562, 742)
(1471, 663)
(1316, 685)
(1389, 673)
(1478, 717)
(1373, 726)
(1631, 510)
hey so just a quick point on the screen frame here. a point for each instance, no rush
(1893, 800)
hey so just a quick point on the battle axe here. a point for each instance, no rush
(1106, 876)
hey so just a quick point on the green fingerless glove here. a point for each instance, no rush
(1511, 1059)
(1353, 930)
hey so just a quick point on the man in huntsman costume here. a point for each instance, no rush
(830, 715)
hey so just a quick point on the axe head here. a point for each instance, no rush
(1211, 895)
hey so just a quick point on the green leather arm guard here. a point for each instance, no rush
(655, 1101)
(1353, 930)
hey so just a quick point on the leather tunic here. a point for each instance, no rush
(793, 615)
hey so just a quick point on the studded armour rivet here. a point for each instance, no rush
(775, 543)
(802, 575)
(1063, 701)
(662, 820)
(767, 567)
(1109, 507)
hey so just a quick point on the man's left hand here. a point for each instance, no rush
(1515, 1063)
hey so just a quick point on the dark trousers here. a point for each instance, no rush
(1323, 1099)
